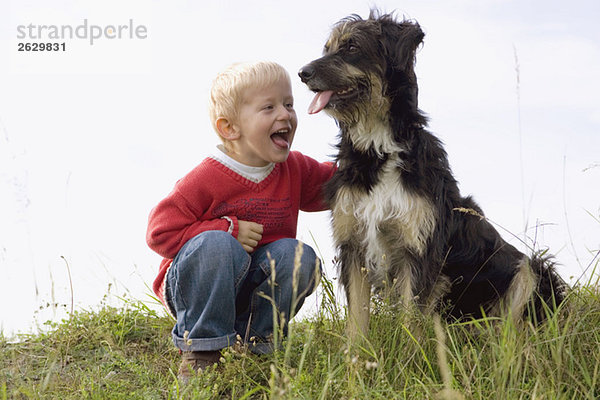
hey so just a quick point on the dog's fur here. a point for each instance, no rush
(399, 221)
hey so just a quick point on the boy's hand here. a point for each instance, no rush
(249, 234)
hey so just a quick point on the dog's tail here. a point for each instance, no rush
(551, 289)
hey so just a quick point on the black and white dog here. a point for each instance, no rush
(400, 223)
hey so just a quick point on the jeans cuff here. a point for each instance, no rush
(204, 344)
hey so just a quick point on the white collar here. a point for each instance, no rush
(254, 174)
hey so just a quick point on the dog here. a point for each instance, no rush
(399, 222)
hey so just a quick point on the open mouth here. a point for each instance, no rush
(323, 98)
(282, 138)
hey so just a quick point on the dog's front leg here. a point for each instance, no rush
(359, 297)
(358, 294)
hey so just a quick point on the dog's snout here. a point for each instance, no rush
(306, 72)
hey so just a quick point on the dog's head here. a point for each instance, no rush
(366, 66)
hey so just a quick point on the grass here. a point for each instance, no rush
(125, 352)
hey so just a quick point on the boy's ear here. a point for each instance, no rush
(227, 129)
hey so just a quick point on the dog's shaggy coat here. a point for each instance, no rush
(399, 221)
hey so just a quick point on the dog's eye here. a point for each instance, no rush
(352, 48)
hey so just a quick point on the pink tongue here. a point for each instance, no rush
(320, 101)
(280, 140)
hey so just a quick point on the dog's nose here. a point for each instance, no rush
(306, 72)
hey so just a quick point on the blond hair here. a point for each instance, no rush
(227, 91)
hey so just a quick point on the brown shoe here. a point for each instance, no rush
(193, 362)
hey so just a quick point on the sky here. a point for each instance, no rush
(94, 135)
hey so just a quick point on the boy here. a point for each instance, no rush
(225, 222)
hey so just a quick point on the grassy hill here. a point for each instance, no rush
(126, 353)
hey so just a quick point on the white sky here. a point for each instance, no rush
(93, 137)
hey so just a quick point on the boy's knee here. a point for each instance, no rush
(209, 244)
(311, 272)
(213, 238)
(308, 265)
(292, 246)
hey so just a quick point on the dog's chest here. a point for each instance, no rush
(386, 220)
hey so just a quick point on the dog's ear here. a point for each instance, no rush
(400, 41)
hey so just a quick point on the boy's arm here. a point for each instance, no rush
(314, 177)
(173, 222)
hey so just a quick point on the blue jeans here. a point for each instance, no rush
(219, 291)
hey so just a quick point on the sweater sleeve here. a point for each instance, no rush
(173, 222)
(314, 177)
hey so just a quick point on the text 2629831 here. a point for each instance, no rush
(42, 46)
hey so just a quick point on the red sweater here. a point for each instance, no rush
(203, 198)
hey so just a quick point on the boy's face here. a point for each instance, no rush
(266, 125)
